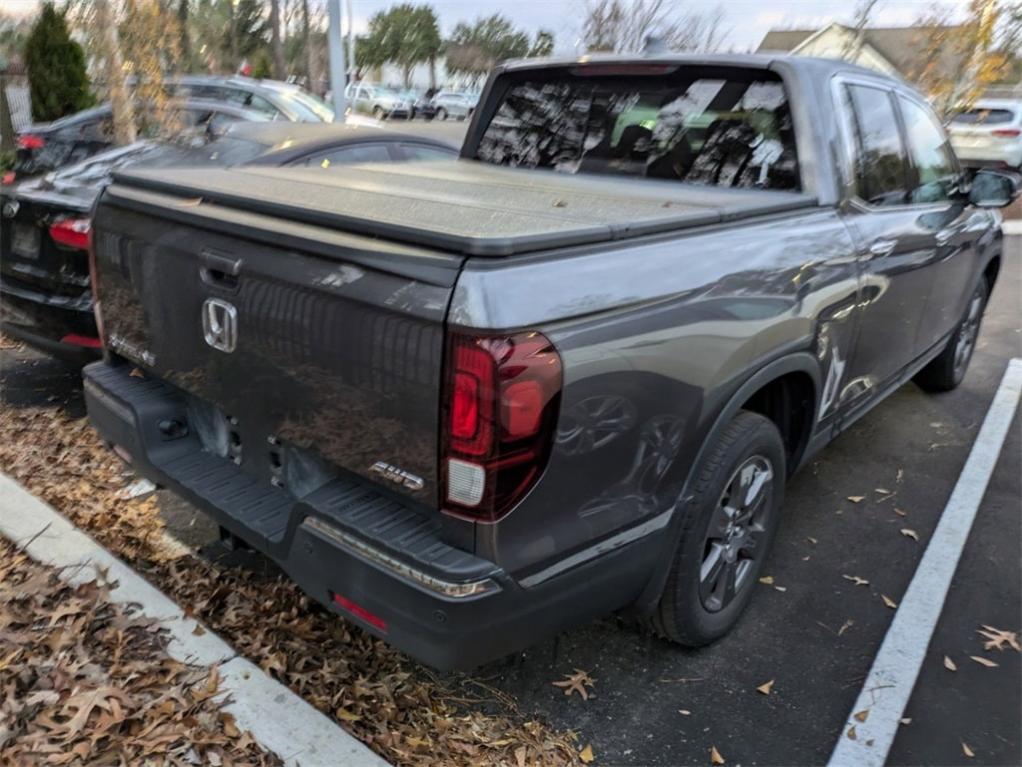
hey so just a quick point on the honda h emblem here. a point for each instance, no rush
(220, 324)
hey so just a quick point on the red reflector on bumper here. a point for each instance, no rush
(360, 612)
(76, 340)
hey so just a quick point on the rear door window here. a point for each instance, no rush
(425, 152)
(726, 127)
(982, 116)
(880, 162)
(350, 154)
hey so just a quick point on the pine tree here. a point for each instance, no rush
(56, 68)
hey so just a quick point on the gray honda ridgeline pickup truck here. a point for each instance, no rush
(467, 404)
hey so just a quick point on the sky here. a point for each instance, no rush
(748, 20)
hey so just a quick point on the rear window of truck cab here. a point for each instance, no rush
(721, 127)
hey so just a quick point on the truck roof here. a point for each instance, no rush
(464, 207)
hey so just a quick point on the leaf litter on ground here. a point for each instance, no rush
(85, 681)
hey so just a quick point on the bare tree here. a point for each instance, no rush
(277, 41)
(307, 42)
(863, 13)
(109, 46)
(620, 26)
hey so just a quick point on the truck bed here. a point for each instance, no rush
(466, 207)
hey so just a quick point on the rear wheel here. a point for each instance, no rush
(441, 114)
(378, 113)
(947, 370)
(731, 524)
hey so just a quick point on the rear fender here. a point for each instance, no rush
(799, 362)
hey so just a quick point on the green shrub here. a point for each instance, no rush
(57, 79)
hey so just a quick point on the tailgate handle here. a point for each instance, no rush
(219, 271)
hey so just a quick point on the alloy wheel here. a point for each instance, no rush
(738, 524)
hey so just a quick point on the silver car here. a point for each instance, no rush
(451, 104)
(989, 134)
(380, 102)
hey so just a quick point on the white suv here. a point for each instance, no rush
(989, 134)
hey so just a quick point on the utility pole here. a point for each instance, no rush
(338, 66)
(350, 60)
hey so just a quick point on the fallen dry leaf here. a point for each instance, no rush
(966, 750)
(884, 491)
(949, 664)
(862, 716)
(852, 735)
(766, 687)
(586, 754)
(998, 637)
(767, 580)
(576, 682)
(780, 588)
(136, 373)
(889, 602)
(715, 757)
(845, 626)
(909, 533)
(856, 580)
(684, 712)
(856, 498)
(984, 661)
(811, 540)
(900, 512)
(905, 720)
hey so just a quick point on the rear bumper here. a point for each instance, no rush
(41, 321)
(348, 544)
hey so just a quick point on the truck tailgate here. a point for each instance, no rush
(305, 352)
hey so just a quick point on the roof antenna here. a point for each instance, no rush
(654, 46)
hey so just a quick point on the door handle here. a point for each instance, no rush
(882, 247)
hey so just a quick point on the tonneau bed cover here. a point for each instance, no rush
(464, 207)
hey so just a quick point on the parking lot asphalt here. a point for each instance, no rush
(813, 632)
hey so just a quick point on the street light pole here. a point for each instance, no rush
(337, 59)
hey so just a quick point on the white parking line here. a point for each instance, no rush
(896, 666)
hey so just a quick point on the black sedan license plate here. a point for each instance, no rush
(25, 242)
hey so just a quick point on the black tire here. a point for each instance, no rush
(692, 610)
(378, 113)
(947, 370)
(441, 114)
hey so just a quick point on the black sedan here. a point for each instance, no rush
(44, 147)
(45, 295)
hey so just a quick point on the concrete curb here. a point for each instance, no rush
(277, 718)
(1012, 227)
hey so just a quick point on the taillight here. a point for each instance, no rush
(31, 141)
(500, 411)
(8, 178)
(1007, 133)
(72, 232)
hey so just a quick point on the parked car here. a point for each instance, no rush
(450, 104)
(468, 406)
(378, 101)
(44, 147)
(45, 298)
(422, 105)
(989, 135)
(277, 100)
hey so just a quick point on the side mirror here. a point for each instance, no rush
(991, 189)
